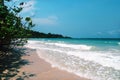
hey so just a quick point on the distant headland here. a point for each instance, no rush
(36, 34)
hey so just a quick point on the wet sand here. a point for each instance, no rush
(43, 70)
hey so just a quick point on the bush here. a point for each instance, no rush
(13, 28)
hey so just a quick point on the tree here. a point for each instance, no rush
(13, 28)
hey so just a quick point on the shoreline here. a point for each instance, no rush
(43, 70)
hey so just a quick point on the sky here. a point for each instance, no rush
(75, 18)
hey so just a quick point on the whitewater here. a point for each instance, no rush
(91, 58)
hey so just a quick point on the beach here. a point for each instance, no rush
(92, 59)
(43, 70)
(64, 59)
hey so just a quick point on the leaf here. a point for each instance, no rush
(22, 3)
(28, 19)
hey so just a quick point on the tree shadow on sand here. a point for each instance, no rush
(11, 62)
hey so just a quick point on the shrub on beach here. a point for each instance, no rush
(13, 28)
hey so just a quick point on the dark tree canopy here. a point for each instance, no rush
(12, 27)
(35, 34)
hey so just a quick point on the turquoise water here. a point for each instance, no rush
(96, 59)
(103, 44)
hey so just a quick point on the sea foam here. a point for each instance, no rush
(80, 59)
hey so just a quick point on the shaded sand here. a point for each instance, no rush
(43, 70)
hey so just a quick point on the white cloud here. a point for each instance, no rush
(114, 32)
(111, 32)
(53, 17)
(50, 20)
(99, 33)
(15, 0)
(29, 7)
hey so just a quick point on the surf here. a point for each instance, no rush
(90, 61)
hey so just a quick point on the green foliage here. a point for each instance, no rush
(12, 30)
(35, 34)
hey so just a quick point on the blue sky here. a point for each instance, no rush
(76, 18)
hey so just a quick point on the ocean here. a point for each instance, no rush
(96, 59)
